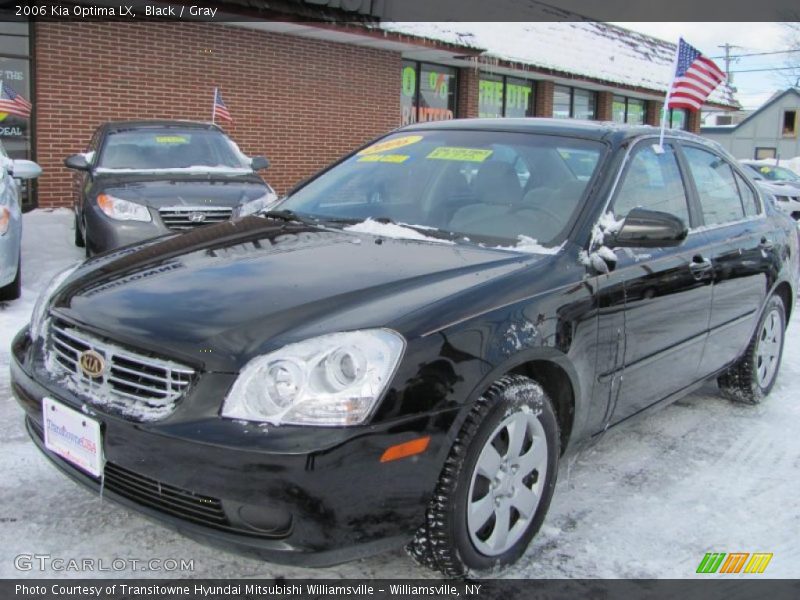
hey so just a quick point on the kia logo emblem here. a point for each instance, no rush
(92, 364)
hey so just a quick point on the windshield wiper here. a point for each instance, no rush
(285, 215)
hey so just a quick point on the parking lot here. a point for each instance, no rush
(647, 501)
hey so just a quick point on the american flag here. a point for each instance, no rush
(220, 110)
(12, 103)
(695, 78)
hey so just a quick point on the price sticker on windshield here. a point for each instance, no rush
(390, 145)
(395, 159)
(172, 139)
(460, 154)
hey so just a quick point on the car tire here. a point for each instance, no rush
(79, 241)
(461, 534)
(751, 378)
(13, 290)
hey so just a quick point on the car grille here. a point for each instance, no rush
(189, 217)
(139, 386)
(166, 498)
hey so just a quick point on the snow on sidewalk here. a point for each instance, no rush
(649, 500)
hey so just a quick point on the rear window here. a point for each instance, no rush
(169, 148)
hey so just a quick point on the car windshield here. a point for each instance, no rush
(484, 186)
(775, 173)
(170, 148)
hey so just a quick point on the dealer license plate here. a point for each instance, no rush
(73, 436)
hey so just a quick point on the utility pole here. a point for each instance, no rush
(728, 59)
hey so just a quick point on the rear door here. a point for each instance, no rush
(741, 246)
(667, 291)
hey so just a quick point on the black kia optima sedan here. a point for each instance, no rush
(406, 347)
(142, 179)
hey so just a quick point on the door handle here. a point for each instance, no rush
(766, 244)
(700, 265)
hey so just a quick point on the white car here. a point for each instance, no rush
(11, 221)
(786, 194)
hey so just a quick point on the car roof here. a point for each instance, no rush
(597, 130)
(111, 126)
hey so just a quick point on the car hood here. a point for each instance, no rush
(223, 294)
(178, 189)
(779, 189)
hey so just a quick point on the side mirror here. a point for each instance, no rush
(644, 228)
(24, 169)
(257, 163)
(77, 162)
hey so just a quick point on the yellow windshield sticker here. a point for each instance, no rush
(389, 145)
(461, 154)
(765, 169)
(385, 158)
(172, 139)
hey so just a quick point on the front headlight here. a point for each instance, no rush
(331, 380)
(122, 210)
(255, 206)
(43, 301)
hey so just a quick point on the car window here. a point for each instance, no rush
(488, 186)
(749, 200)
(653, 181)
(168, 148)
(716, 186)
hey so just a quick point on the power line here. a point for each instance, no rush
(755, 53)
(768, 69)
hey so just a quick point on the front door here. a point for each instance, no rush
(667, 291)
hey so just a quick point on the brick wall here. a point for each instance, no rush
(300, 102)
(652, 113)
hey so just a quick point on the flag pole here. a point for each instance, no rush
(665, 108)
(214, 106)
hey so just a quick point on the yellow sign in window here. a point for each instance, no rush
(460, 154)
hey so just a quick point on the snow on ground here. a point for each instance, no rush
(649, 500)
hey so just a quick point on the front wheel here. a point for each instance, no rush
(751, 378)
(497, 482)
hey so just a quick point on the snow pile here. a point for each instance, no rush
(596, 50)
(531, 246)
(195, 169)
(393, 230)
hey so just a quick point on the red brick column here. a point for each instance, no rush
(543, 104)
(468, 92)
(605, 102)
(693, 121)
(652, 113)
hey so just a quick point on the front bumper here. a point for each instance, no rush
(304, 496)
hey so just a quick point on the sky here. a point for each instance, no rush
(753, 89)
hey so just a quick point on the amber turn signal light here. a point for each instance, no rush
(417, 446)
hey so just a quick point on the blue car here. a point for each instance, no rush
(11, 222)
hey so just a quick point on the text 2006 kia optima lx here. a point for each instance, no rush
(405, 348)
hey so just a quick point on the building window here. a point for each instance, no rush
(762, 153)
(428, 92)
(574, 103)
(15, 71)
(502, 96)
(789, 123)
(627, 110)
(678, 118)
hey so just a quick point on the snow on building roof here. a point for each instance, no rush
(591, 49)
